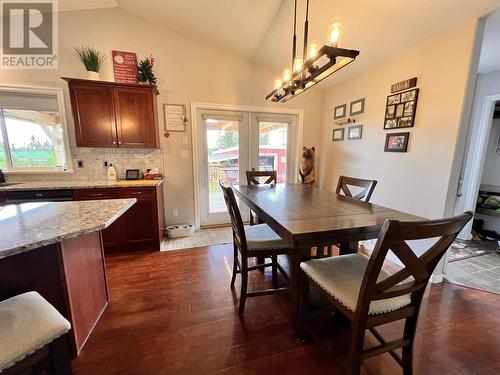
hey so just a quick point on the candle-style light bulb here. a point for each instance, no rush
(287, 74)
(313, 50)
(277, 83)
(297, 65)
(335, 34)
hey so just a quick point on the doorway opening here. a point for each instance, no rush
(474, 259)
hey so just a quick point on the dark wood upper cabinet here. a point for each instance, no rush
(109, 114)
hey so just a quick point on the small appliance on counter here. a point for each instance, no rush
(132, 174)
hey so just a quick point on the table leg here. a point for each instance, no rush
(297, 256)
(348, 248)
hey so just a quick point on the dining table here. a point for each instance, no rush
(307, 217)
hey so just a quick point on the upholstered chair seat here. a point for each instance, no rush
(27, 323)
(341, 278)
(262, 237)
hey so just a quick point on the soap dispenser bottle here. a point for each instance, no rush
(111, 173)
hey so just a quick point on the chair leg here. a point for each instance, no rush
(235, 265)
(274, 259)
(244, 285)
(407, 351)
(358, 338)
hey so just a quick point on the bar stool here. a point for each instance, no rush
(33, 337)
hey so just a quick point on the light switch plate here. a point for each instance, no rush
(184, 154)
(185, 140)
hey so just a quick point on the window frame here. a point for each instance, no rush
(59, 93)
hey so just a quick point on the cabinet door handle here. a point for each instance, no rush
(114, 142)
(96, 195)
(136, 192)
(119, 142)
(39, 194)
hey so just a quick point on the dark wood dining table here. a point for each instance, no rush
(307, 217)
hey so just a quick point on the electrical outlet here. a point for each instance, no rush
(185, 140)
(80, 163)
(106, 163)
(175, 212)
(184, 154)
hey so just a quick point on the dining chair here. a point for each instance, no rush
(369, 296)
(254, 241)
(253, 179)
(367, 187)
(343, 184)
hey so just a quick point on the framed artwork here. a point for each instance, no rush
(400, 110)
(357, 107)
(396, 142)
(338, 135)
(340, 111)
(354, 132)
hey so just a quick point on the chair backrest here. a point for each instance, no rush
(413, 278)
(234, 213)
(367, 187)
(253, 175)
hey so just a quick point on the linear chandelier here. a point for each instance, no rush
(315, 64)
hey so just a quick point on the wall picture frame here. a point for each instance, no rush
(357, 107)
(354, 132)
(338, 135)
(340, 111)
(400, 109)
(396, 142)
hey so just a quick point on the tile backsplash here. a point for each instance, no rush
(93, 164)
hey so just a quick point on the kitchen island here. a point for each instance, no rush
(55, 248)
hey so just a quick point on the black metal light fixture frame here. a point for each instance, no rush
(311, 73)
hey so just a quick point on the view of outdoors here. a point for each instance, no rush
(223, 159)
(223, 155)
(35, 139)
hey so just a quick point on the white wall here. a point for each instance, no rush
(186, 70)
(416, 181)
(491, 172)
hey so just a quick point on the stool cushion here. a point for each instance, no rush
(341, 277)
(27, 323)
(262, 237)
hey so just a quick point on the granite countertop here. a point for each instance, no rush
(59, 185)
(28, 226)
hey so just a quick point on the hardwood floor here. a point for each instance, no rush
(173, 313)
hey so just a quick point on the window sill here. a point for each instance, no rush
(37, 171)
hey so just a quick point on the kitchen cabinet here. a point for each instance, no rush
(109, 114)
(141, 227)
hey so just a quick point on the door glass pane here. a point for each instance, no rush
(273, 139)
(223, 159)
(36, 138)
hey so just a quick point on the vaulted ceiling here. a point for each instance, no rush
(261, 30)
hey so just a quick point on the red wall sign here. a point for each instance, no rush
(125, 66)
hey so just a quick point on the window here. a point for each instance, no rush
(32, 130)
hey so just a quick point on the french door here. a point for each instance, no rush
(231, 142)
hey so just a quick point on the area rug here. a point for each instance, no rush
(461, 251)
(200, 238)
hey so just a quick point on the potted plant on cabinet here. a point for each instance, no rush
(145, 71)
(92, 59)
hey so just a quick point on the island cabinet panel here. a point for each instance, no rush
(70, 275)
(83, 263)
(109, 114)
(2, 197)
(141, 227)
